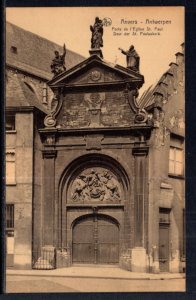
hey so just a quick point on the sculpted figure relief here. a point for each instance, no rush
(97, 34)
(133, 59)
(58, 63)
(96, 185)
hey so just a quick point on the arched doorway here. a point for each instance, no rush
(95, 240)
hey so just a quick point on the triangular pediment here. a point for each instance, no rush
(95, 70)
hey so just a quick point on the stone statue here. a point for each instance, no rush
(133, 59)
(97, 34)
(58, 63)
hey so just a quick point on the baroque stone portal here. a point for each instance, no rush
(97, 184)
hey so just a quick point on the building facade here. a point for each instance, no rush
(99, 173)
(28, 59)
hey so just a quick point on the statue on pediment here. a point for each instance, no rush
(133, 59)
(97, 34)
(58, 63)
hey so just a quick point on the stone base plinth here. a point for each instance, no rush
(125, 260)
(96, 52)
(63, 259)
(155, 267)
(174, 266)
(139, 260)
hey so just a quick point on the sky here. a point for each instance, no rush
(71, 25)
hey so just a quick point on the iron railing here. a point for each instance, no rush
(44, 258)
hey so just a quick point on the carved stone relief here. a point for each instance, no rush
(97, 184)
(95, 75)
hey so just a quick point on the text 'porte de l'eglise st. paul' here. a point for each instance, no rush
(106, 165)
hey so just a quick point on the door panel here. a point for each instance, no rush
(96, 240)
(164, 248)
(83, 253)
(108, 241)
(83, 241)
(108, 253)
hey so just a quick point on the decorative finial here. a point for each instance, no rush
(58, 63)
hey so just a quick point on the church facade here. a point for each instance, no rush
(107, 181)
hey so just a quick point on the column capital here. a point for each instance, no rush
(49, 153)
(140, 150)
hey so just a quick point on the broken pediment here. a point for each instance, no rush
(95, 94)
(95, 71)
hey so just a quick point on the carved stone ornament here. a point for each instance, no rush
(50, 139)
(94, 99)
(95, 75)
(50, 119)
(141, 116)
(97, 184)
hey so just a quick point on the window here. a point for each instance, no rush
(10, 166)
(14, 49)
(176, 161)
(10, 216)
(10, 235)
(10, 122)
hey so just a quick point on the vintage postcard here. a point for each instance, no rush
(95, 134)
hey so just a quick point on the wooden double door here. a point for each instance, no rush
(95, 240)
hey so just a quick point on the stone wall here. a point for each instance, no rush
(20, 194)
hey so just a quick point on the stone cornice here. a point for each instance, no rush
(95, 130)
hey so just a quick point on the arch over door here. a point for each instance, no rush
(96, 240)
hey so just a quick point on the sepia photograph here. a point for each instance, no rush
(95, 149)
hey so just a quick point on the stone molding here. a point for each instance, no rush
(49, 153)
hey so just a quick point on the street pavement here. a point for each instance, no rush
(91, 279)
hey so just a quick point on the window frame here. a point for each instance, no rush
(10, 115)
(12, 161)
(11, 220)
(175, 161)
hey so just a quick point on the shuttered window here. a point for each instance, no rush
(10, 216)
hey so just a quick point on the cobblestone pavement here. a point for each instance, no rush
(30, 284)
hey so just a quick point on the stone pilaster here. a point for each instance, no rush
(140, 154)
(139, 257)
(48, 197)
